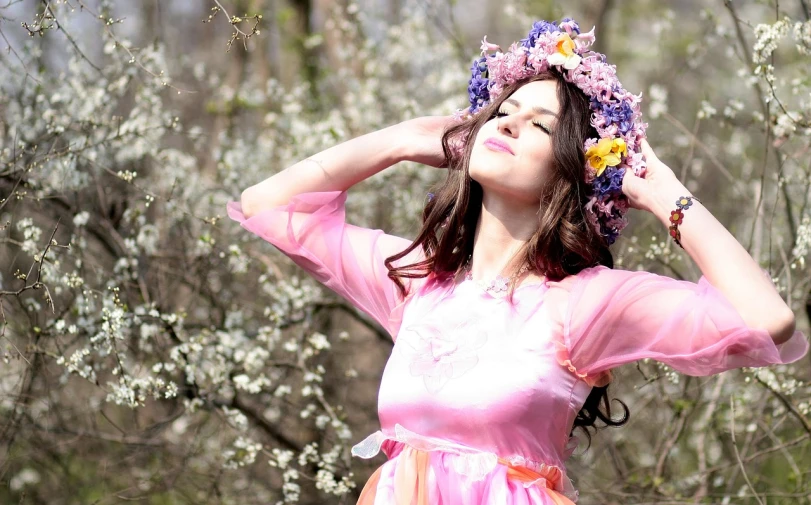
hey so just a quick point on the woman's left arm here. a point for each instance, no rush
(722, 259)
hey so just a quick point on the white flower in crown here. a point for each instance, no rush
(564, 54)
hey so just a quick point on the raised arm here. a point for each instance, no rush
(301, 211)
(342, 166)
(722, 260)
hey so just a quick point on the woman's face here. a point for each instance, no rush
(512, 152)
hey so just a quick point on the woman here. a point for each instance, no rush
(489, 374)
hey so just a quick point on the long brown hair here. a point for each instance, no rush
(563, 244)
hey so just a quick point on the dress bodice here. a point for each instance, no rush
(472, 368)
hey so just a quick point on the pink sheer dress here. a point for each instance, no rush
(478, 396)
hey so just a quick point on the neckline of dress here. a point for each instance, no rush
(480, 289)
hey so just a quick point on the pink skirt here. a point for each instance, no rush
(421, 475)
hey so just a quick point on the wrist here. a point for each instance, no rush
(394, 143)
(402, 142)
(663, 200)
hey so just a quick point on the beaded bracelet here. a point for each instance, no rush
(677, 217)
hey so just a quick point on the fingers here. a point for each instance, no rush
(632, 186)
(646, 150)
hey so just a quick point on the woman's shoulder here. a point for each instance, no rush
(574, 279)
(599, 282)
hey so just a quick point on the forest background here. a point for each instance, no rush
(153, 351)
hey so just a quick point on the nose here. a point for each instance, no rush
(507, 125)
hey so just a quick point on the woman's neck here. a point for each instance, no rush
(501, 231)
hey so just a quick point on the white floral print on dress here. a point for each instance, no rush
(438, 354)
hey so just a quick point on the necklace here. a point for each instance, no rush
(497, 285)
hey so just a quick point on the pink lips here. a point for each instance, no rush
(498, 145)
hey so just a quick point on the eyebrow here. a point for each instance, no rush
(536, 110)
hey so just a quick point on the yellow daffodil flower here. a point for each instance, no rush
(606, 153)
(619, 147)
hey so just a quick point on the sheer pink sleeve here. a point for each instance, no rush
(610, 317)
(348, 259)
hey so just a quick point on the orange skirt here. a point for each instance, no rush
(411, 483)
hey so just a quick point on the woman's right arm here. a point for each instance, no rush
(301, 211)
(342, 166)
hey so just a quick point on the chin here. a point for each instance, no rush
(479, 175)
(491, 182)
(482, 164)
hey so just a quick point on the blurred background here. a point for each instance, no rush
(156, 352)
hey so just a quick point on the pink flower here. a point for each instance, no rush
(621, 204)
(618, 223)
(590, 173)
(609, 131)
(537, 57)
(568, 26)
(636, 163)
(591, 217)
(604, 207)
(487, 46)
(461, 114)
(587, 63)
(507, 68)
(584, 40)
(495, 90)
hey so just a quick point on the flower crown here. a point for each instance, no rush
(615, 112)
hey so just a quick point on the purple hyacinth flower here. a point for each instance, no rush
(609, 183)
(477, 91)
(619, 113)
(610, 234)
(479, 67)
(538, 28)
(573, 23)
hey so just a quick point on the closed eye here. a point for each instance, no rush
(542, 126)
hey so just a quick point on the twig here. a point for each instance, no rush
(70, 39)
(234, 21)
(451, 32)
(22, 62)
(106, 24)
(735, 447)
(763, 105)
(3, 332)
(786, 454)
(37, 283)
(787, 403)
(806, 10)
(701, 436)
(736, 183)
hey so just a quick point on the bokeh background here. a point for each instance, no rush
(155, 352)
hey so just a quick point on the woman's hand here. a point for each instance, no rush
(423, 139)
(658, 191)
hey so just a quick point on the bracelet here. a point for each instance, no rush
(677, 217)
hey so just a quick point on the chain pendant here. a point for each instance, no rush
(498, 285)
